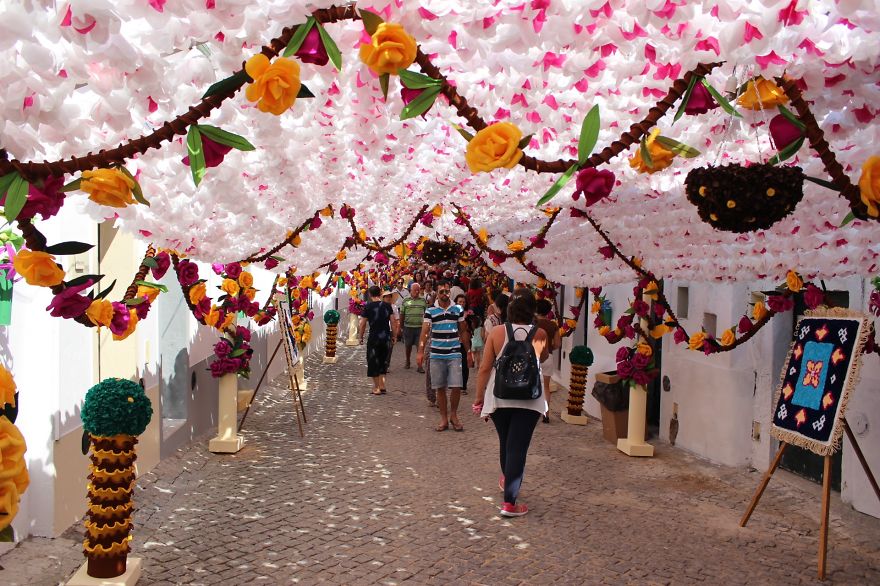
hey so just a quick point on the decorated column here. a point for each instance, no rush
(227, 440)
(115, 412)
(581, 358)
(331, 318)
(642, 359)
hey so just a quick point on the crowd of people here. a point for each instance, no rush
(455, 325)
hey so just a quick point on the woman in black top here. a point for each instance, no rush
(383, 329)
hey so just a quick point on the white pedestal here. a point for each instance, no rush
(330, 359)
(227, 441)
(133, 567)
(573, 419)
(300, 374)
(352, 331)
(634, 443)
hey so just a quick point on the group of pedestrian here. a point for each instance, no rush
(454, 332)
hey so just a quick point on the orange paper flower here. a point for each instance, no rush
(38, 268)
(108, 187)
(275, 85)
(390, 49)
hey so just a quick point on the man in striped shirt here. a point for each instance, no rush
(441, 329)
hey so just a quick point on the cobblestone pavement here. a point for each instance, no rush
(373, 495)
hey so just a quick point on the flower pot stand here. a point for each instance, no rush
(133, 570)
(352, 331)
(227, 441)
(634, 443)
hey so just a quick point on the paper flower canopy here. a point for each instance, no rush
(539, 66)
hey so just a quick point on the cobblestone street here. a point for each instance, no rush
(373, 495)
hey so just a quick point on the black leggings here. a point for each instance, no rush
(515, 428)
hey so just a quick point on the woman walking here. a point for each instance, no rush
(514, 420)
(383, 328)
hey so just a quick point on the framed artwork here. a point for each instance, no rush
(818, 378)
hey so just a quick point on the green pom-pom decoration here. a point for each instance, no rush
(331, 316)
(581, 355)
(116, 406)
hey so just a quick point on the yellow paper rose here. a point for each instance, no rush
(660, 331)
(249, 293)
(230, 287)
(495, 146)
(793, 282)
(149, 292)
(100, 312)
(227, 321)
(275, 85)
(212, 317)
(516, 246)
(645, 349)
(7, 387)
(728, 337)
(661, 157)
(132, 324)
(390, 49)
(597, 305)
(696, 341)
(759, 311)
(197, 292)
(108, 187)
(604, 330)
(246, 279)
(14, 477)
(761, 94)
(38, 268)
(483, 235)
(340, 256)
(869, 185)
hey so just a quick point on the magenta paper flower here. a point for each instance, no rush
(270, 263)
(700, 100)
(187, 273)
(121, 318)
(745, 325)
(778, 303)
(813, 296)
(783, 131)
(222, 349)
(233, 270)
(593, 184)
(44, 197)
(142, 309)
(69, 303)
(163, 261)
(214, 152)
(312, 50)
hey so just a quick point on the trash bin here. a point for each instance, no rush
(613, 396)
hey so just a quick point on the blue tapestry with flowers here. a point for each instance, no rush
(819, 375)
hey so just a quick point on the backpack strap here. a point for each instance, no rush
(531, 334)
(509, 329)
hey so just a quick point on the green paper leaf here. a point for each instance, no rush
(679, 148)
(6, 181)
(822, 182)
(304, 92)
(158, 286)
(849, 218)
(223, 137)
(788, 152)
(72, 186)
(16, 197)
(106, 291)
(416, 81)
(196, 154)
(135, 301)
(331, 48)
(85, 442)
(371, 21)
(525, 141)
(8, 534)
(237, 353)
(646, 154)
(467, 135)
(722, 101)
(228, 85)
(136, 190)
(298, 37)
(792, 117)
(684, 99)
(558, 185)
(420, 104)
(149, 261)
(383, 83)
(589, 134)
(278, 258)
(63, 248)
(82, 279)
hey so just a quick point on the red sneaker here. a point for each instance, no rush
(513, 510)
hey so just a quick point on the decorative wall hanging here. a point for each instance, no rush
(820, 373)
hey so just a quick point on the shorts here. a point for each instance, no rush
(446, 373)
(377, 357)
(411, 335)
(548, 367)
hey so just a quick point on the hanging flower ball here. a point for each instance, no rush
(331, 316)
(661, 157)
(761, 94)
(869, 186)
(581, 355)
(116, 406)
(108, 187)
(495, 146)
(390, 49)
(38, 268)
(275, 85)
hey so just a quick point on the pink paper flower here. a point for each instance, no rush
(700, 101)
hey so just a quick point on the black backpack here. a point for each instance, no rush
(516, 371)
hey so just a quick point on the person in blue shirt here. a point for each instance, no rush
(383, 329)
(445, 339)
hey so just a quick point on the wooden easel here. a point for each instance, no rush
(288, 341)
(826, 492)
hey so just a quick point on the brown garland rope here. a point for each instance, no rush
(257, 257)
(384, 249)
(487, 249)
(814, 134)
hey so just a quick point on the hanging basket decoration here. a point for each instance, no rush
(742, 199)
(438, 252)
(115, 411)
(581, 358)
